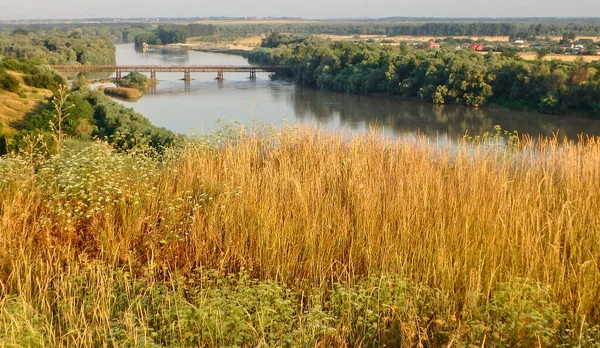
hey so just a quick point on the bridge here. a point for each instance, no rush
(187, 70)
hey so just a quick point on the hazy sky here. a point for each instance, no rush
(65, 9)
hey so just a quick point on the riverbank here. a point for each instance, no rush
(437, 76)
(221, 49)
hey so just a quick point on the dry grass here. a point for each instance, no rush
(310, 208)
(563, 57)
(123, 92)
(241, 43)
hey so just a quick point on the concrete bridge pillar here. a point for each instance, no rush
(252, 74)
(187, 76)
(118, 75)
(153, 75)
(220, 75)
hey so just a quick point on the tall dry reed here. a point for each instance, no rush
(311, 208)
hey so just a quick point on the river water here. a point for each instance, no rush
(196, 107)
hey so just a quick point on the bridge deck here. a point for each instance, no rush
(169, 68)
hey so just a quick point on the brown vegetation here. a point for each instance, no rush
(123, 92)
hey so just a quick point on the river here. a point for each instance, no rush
(197, 107)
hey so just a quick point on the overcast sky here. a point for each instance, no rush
(316, 9)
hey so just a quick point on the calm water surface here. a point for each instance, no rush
(196, 107)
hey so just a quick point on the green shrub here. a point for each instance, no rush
(19, 65)
(550, 103)
(9, 82)
(520, 313)
(44, 79)
(135, 80)
(19, 319)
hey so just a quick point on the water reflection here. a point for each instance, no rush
(409, 116)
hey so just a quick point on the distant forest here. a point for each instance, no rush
(442, 29)
(75, 46)
(165, 32)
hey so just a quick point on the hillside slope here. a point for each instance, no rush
(15, 106)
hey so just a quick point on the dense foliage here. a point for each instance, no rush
(74, 46)
(34, 75)
(135, 80)
(94, 115)
(163, 35)
(172, 33)
(439, 76)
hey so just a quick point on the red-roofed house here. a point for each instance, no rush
(476, 47)
(432, 44)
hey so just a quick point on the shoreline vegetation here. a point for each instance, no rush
(298, 236)
(126, 93)
(438, 76)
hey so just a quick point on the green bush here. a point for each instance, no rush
(135, 80)
(19, 65)
(9, 82)
(124, 127)
(520, 313)
(42, 79)
(550, 103)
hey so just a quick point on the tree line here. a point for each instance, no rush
(173, 33)
(438, 76)
(75, 46)
(515, 30)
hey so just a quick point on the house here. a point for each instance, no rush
(432, 44)
(476, 47)
(566, 48)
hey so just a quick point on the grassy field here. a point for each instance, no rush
(300, 237)
(563, 57)
(240, 43)
(15, 106)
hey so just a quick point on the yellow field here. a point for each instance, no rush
(241, 43)
(564, 57)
